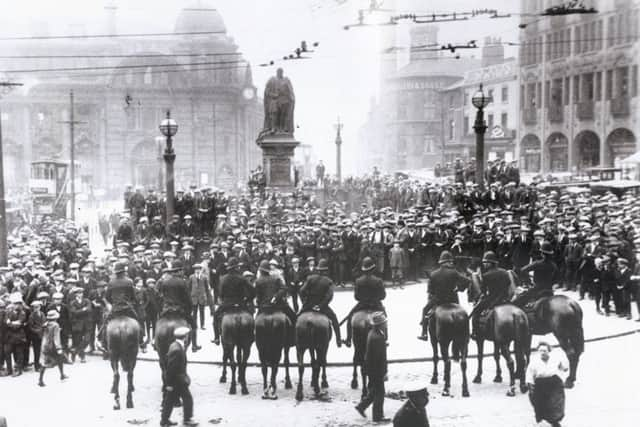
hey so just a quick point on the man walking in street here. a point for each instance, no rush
(375, 363)
(177, 381)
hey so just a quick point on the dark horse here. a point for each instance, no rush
(123, 334)
(450, 326)
(313, 333)
(237, 334)
(274, 333)
(505, 324)
(360, 328)
(165, 325)
(561, 316)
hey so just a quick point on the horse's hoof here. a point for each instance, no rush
(523, 388)
(232, 390)
(511, 392)
(299, 397)
(434, 380)
(354, 384)
(465, 393)
(497, 379)
(568, 384)
(288, 385)
(325, 384)
(245, 391)
(129, 405)
(116, 407)
(477, 379)
(446, 393)
(223, 380)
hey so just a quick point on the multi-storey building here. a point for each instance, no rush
(579, 103)
(499, 77)
(123, 88)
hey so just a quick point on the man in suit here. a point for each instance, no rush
(573, 255)
(442, 289)
(177, 381)
(295, 277)
(375, 364)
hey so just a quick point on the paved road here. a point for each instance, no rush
(606, 394)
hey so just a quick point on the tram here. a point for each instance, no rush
(50, 188)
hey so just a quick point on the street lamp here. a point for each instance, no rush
(169, 128)
(480, 101)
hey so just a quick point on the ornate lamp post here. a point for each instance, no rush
(480, 101)
(169, 128)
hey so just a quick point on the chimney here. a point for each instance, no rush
(492, 52)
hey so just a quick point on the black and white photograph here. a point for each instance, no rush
(319, 213)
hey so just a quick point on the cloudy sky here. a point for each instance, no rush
(340, 80)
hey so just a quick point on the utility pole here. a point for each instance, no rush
(72, 154)
(339, 127)
(6, 86)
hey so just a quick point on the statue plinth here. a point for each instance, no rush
(277, 154)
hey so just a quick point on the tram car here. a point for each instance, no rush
(50, 188)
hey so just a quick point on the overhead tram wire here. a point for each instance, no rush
(109, 36)
(149, 55)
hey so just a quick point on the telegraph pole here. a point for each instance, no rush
(339, 127)
(72, 155)
(6, 87)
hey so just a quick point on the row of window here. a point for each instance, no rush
(618, 82)
(468, 124)
(504, 96)
(421, 145)
(622, 28)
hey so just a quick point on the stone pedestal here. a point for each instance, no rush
(277, 160)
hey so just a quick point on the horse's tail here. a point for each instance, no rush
(578, 338)
(522, 335)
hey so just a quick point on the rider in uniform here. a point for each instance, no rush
(368, 291)
(235, 292)
(443, 285)
(495, 283)
(271, 292)
(317, 293)
(121, 294)
(176, 297)
(545, 272)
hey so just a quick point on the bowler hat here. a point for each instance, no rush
(119, 268)
(445, 257)
(322, 265)
(546, 248)
(490, 257)
(368, 264)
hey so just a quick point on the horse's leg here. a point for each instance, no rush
(223, 377)
(274, 376)
(323, 364)
(130, 388)
(354, 378)
(232, 364)
(463, 368)
(116, 384)
(496, 357)
(243, 355)
(264, 368)
(287, 378)
(521, 367)
(478, 378)
(434, 346)
(504, 349)
(569, 350)
(315, 372)
(444, 349)
(365, 386)
(300, 354)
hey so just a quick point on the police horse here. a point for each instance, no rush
(123, 334)
(503, 325)
(165, 325)
(360, 327)
(237, 326)
(274, 334)
(313, 333)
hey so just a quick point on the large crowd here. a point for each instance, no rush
(52, 276)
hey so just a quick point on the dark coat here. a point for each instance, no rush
(444, 284)
(176, 372)
(175, 293)
(235, 289)
(369, 290)
(80, 314)
(318, 290)
(120, 294)
(267, 288)
(375, 356)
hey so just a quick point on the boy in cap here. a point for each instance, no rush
(375, 363)
(35, 326)
(51, 350)
(177, 380)
(15, 335)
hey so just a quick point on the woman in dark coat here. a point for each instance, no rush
(545, 380)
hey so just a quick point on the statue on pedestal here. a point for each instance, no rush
(279, 103)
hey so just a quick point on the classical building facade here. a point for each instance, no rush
(405, 129)
(499, 77)
(121, 97)
(579, 104)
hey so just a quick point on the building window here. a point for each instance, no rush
(466, 98)
(587, 86)
(490, 121)
(567, 90)
(634, 81)
(504, 121)
(598, 86)
(428, 144)
(599, 35)
(547, 93)
(505, 94)
(452, 129)
(556, 92)
(611, 31)
(522, 96)
(576, 88)
(577, 42)
(608, 90)
(466, 125)
(147, 76)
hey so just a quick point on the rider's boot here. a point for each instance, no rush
(194, 336)
(425, 330)
(216, 331)
(347, 342)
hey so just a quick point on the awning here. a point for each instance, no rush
(633, 159)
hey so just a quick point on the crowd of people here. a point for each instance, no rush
(53, 278)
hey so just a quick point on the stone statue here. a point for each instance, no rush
(279, 103)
